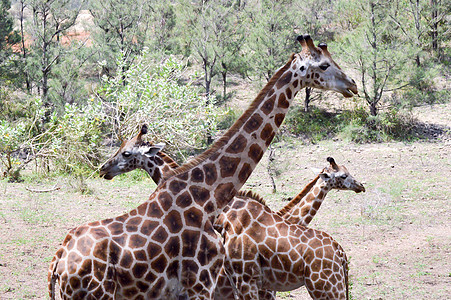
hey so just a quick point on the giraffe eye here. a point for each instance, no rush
(302, 68)
(324, 66)
(344, 176)
(126, 154)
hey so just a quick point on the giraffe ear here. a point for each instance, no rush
(154, 149)
(316, 171)
(324, 175)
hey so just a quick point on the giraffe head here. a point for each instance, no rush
(338, 177)
(318, 70)
(133, 154)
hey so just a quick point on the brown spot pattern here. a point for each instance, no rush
(228, 166)
(255, 152)
(238, 145)
(253, 123)
(210, 174)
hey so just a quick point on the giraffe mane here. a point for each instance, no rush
(251, 195)
(298, 198)
(235, 127)
(168, 160)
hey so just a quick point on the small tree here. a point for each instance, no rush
(121, 26)
(211, 30)
(8, 37)
(50, 20)
(378, 53)
(271, 35)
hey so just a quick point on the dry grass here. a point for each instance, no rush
(397, 234)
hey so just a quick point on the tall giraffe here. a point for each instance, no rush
(300, 210)
(167, 247)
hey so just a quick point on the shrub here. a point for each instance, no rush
(356, 125)
(162, 97)
(315, 125)
(386, 126)
(11, 137)
(71, 140)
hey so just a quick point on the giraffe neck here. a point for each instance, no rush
(157, 169)
(231, 159)
(302, 208)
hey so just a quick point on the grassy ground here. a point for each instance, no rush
(397, 234)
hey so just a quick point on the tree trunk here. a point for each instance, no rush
(224, 85)
(373, 109)
(269, 168)
(308, 91)
(434, 25)
(24, 50)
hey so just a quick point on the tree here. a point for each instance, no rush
(162, 38)
(439, 11)
(378, 52)
(8, 36)
(50, 20)
(272, 35)
(229, 50)
(23, 49)
(211, 31)
(121, 26)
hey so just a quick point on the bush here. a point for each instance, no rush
(71, 140)
(422, 90)
(355, 125)
(315, 125)
(174, 111)
(386, 126)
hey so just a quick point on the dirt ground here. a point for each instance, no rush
(397, 234)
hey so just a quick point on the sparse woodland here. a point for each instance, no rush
(76, 75)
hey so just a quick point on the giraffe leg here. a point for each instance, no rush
(266, 294)
(248, 282)
(225, 290)
(328, 287)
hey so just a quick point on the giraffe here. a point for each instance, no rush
(167, 248)
(266, 253)
(239, 225)
(300, 210)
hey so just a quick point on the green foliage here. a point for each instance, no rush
(391, 125)
(11, 136)
(227, 119)
(68, 142)
(314, 125)
(7, 35)
(18, 124)
(174, 112)
(378, 51)
(356, 125)
(272, 38)
(73, 138)
(422, 90)
(120, 26)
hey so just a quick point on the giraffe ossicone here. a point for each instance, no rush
(167, 248)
